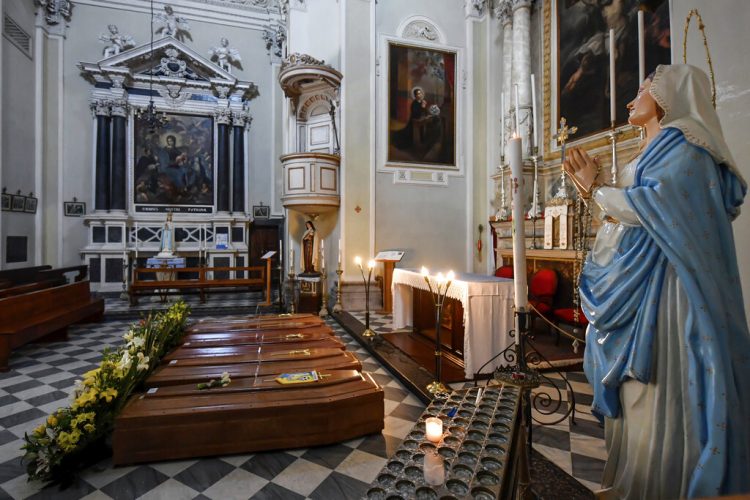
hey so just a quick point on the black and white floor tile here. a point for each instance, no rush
(576, 444)
(42, 376)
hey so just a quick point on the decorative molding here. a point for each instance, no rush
(476, 8)
(172, 24)
(298, 59)
(503, 12)
(225, 55)
(119, 107)
(116, 42)
(223, 116)
(520, 4)
(173, 95)
(101, 107)
(55, 11)
(420, 29)
(275, 38)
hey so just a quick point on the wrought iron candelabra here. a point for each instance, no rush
(323, 295)
(438, 293)
(370, 265)
(292, 289)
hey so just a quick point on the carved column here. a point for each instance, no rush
(239, 122)
(223, 119)
(504, 14)
(118, 191)
(522, 67)
(102, 111)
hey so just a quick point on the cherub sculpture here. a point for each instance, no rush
(224, 55)
(171, 24)
(115, 41)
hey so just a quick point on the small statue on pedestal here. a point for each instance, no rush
(309, 249)
(116, 42)
(166, 246)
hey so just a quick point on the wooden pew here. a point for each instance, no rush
(44, 314)
(26, 288)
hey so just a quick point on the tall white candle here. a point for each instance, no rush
(502, 124)
(519, 236)
(518, 115)
(533, 110)
(339, 253)
(291, 260)
(612, 108)
(641, 49)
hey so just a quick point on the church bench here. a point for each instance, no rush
(44, 314)
(195, 278)
(26, 288)
(21, 275)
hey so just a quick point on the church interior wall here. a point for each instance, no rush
(18, 109)
(726, 28)
(479, 36)
(429, 222)
(81, 44)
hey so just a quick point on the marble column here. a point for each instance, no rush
(119, 179)
(223, 119)
(238, 163)
(504, 13)
(522, 69)
(102, 178)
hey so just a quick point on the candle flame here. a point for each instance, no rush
(440, 278)
(425, 272)
(370, 264)
(451, 275)
(358, 260)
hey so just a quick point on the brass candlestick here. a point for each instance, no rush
(323, 295)
(292, 286)
(338, 307)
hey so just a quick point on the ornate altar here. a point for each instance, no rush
(190, 160)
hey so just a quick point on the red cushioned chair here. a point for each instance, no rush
(565, 315)
(542, 288)
(504, 272)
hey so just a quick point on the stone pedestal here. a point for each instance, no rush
(353, 296)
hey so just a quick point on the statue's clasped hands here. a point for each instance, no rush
(582, 170)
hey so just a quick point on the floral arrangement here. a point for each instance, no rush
(58, 446)
(222, 382)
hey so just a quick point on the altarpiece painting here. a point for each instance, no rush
(421, 105)
(174, 164)
(583, 58)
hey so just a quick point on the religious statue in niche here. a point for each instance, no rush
(166, 245)
(309, 249)
(174, 165)
(421, 106)
(225, 56)
(116, 42)
(172, 24)
(583, 57)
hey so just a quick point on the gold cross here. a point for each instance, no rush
(563, 133)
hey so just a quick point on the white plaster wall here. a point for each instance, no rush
(430, 223)
(18, 129)
(315, 31)
(726, 26)
(81, 44)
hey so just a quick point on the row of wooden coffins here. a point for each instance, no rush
(242, 385)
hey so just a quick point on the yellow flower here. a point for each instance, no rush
(41, 430)
(52, 421)
(108, 394)
(89, 428)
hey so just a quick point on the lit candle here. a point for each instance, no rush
(425, 272)
(434, 429)
(612, 109)
(339, 261)
(641, 49)
(518, 115)
(533, 110)
(279, 247)
(451, 276)
(519, 236)
(291, 260)
(370, 264)
(358, 261)
(434, 473)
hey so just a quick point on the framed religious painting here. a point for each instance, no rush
(577, 66)
(421, 106)
(173, 167)
(30, 204)
(18, 202)
(6, 202)
(74, 208)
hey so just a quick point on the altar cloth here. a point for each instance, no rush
(488, 313)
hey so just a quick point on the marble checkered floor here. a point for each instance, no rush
(117, 306)
(577, 448)
(41, 379)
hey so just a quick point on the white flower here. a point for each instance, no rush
(142, 362)
(138, 342)
(125, 361)
(129, 336)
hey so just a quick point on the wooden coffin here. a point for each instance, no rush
(254, 324)
(256, 337)
(247, 416)
(240, 351)
(186, 371)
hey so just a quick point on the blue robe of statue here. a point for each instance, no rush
(684, 202)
